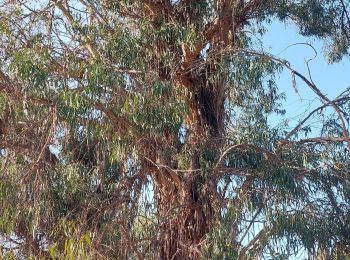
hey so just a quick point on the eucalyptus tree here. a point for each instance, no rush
(138, 129)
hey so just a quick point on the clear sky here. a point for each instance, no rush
(331, 79)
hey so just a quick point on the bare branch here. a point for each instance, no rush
(297, 128)
(268, 154)
(313, 87)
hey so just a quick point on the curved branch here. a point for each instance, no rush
(297, 128)
(312, 86)
(268, 154)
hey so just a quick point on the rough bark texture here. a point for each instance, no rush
(109, 86)
(190, 197)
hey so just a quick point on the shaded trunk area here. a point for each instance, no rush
(185, 199)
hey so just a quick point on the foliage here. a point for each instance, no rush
(139, 130)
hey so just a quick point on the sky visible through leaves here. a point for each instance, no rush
(284, 41)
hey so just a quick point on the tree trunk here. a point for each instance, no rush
(185, 200)
(186, 204)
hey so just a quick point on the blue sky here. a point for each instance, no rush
(331, 79)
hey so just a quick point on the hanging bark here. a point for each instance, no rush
(192, 202)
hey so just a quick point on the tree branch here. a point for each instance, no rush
(268, 154)
(256, 242)
(312, 86)
(297, 128)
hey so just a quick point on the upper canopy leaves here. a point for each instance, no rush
(139, 129)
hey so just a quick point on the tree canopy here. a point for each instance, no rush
(137, 129)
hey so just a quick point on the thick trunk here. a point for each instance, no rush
(186, 205)
(185, 200)
(186, 215)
